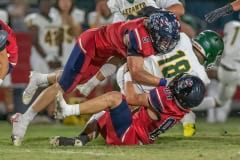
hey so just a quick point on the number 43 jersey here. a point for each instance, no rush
(181, 59)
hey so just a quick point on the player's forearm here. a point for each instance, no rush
(236, 5)
(145, 78)
(178, 9)
(133, 98)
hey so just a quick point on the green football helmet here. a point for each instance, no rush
(211, 46)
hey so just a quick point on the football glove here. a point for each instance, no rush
(219, 12)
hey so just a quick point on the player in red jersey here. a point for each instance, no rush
(142, 37)
(8, 50)
(163, 107)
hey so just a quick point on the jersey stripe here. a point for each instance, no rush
(80, 43)
(138, 38)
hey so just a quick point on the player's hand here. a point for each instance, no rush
(217, 13)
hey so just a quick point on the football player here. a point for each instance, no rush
(228, 72)
(223, 11)
(45, 42)
(160, 110)
(125, 9)
(70, 20)
(8, 50)
(141, 37)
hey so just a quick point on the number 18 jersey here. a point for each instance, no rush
(181, 59)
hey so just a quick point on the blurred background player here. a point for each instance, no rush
(124, 9)
(163, 108)
(8, 50)
(6, 87)
(70, 20)
(45, 43)
(101, 16)
(227, 74)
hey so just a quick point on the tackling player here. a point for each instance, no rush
(8, 50)
(142, 37)
(160, 110)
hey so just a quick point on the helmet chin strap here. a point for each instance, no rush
(200, 56)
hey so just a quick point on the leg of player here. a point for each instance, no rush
(77, 64)
(21, 121)
(38, 80)
(119, 114)
(107, 100)
(105, 71)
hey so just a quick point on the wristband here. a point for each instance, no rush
(162, 82)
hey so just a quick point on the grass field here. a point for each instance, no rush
(212, 141)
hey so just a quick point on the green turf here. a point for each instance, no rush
(212, 141)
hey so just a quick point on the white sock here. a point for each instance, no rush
(42, 80)
(93, 81)
(71, 110)
(28, 116)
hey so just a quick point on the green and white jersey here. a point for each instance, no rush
(121, 9)
(47, 34)
(231, 56)
(181, 59)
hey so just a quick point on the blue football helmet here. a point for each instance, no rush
(188, 90)
(164, 29)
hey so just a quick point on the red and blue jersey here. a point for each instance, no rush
(108, 40)
(169, 114)
(11, 46)
(142, 129)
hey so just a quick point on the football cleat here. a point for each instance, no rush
(17, 141)
(189, 130)
(31, 88)
(64, 141)
(85, 89)
(18, 130)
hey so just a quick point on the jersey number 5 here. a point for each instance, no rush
(180, 65)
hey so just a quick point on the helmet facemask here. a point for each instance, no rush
(163, 28)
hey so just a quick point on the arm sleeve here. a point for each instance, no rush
(133, 47)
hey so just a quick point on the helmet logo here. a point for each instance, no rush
(146, 39)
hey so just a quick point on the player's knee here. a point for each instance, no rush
(113, 98)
